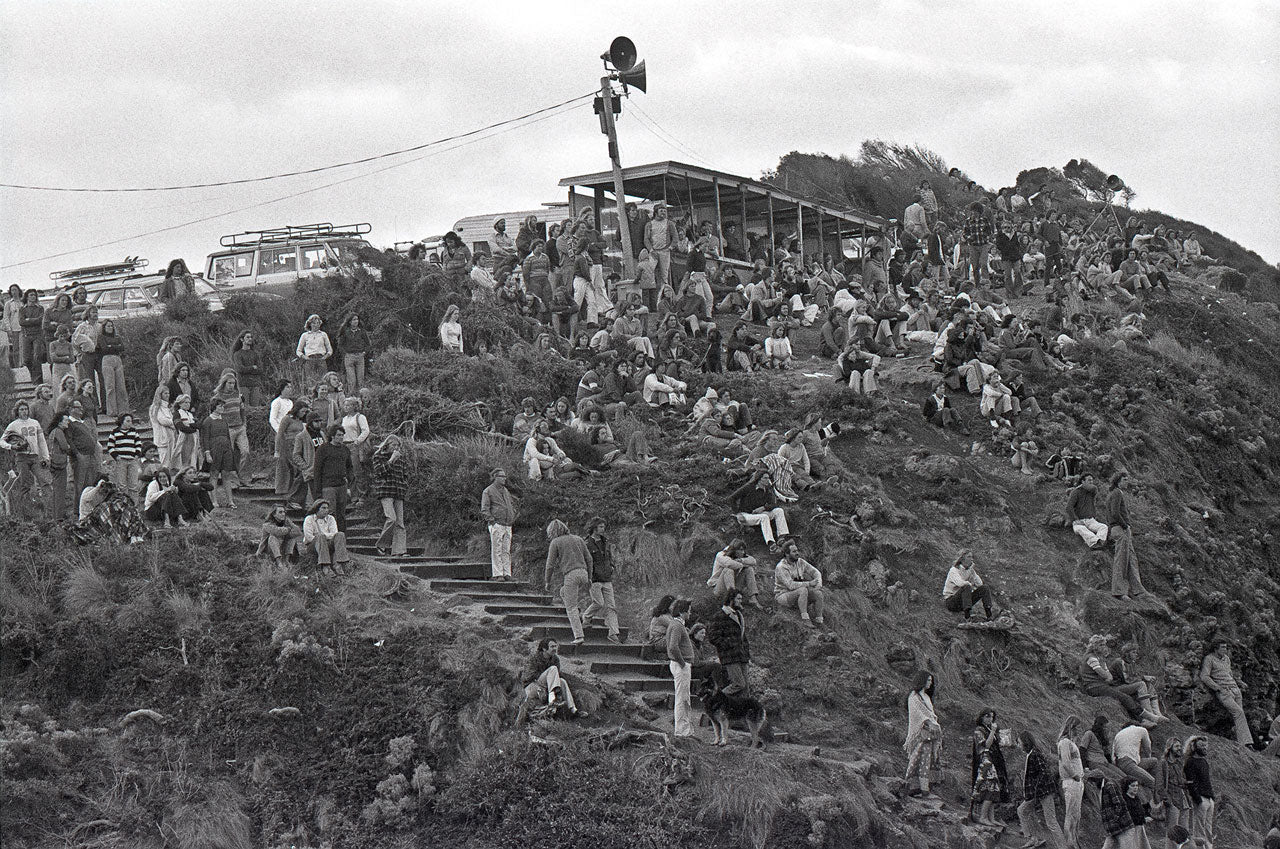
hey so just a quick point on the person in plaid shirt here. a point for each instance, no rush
(390, 486)
(978, 234)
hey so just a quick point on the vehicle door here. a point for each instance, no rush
(277, 265)
(232, 270)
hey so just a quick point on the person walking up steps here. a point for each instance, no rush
(498, 507)
(603, 600)
(569, 557)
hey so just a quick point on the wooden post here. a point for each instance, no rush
(715, 184)
(838, 257)
(773, 239)
(800, 229)
(619, 190)
(573, 202)
(822, 237)
(688, 188)
(742, 225)
(599, 203)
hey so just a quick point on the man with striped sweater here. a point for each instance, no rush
(124, 446)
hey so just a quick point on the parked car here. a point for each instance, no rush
(282, 256)
(136, 296)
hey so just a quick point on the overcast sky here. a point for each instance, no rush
(1179, 98)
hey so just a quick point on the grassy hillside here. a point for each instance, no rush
(404, 698)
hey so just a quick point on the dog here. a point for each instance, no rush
(721, 708)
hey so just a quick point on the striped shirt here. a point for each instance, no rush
(124, 444)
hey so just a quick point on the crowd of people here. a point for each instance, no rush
(941, 290)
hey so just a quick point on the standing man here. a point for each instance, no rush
(1200, 790)
(86, 454)
(977, 237)
(602, 598)
(915, 221)
(498, 508)
(798, 583)
(331, 473)
(1125, 580)
(637, 221)
(568, 556)
(660, 240)
(1216, 675)
(680, 657)
(728, 633)
(1051, 232)
(1082, 511)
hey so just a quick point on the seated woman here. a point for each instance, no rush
(581, 349)
(997, 400)
(717, 431)
(281, 538)
(628, 331)
(321, 536)
(451, 330)
(544, 689)
(560, 414)
(890, 317)
(593, 426)
(777, 349)
(545, 459)
(659, 621)
(525, 420)
(195, 490)
(744, 349)
(832, 335)
(163, 502)
(113, 517)
(1025, 452)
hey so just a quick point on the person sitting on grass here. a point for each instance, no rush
(938, 410)
(964, 589)
(798, 583)
(733, 567)
(1101, 679)
(163, 502)
(777, 348)
(320, 534)
(1082, 511)
(544, 690)
(858, 365)
(281, 538)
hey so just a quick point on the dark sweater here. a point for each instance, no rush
(332, 465)
(729, 637)
(1082, 504)
(601, 559)
(1118, 508)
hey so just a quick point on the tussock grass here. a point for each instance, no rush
(1193, 357)
(87, 593)
(745, 796)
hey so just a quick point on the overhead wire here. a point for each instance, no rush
(463, 141)
(662, 134)
(317, 170)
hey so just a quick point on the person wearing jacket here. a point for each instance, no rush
(85, 340)
(1039, 790)
(1101, 679)
(109, 351)
(1125, 579)
(61, 354)
(603, 601)
(163, 431)
(733, 567)
(182, 382)
(797, 583)
(1082, 512)
(727, 631)
(1216, 676)
(247, 364)
(289, 480)
(321, 534)
(60, 452)
(390, 488)
(1195, 768)
(281, 538)
(569, 557)
(229, 393)
(56, 316)
(86, 454)
(498, 509)
(964, 589)
(303, 456)
(680, 659)
(216, 446)
(1124, 815)
(1171, 788)
(314, 349)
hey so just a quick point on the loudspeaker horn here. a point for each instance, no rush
(635, 77)
(622, 54)
(1114, 183)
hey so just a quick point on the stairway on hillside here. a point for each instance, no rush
(24, 390)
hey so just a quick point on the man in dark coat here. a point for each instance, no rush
(727, 631)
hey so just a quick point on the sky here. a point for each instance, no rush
(1178, 98)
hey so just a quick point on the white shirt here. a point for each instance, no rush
(153, 494)
(355, 429)
(653, 386)
(313, 526)
(959, 578)
(776, 348)
(30, 430)
(451, 336)
(280, 408)
(1128, 743)
(313, 343)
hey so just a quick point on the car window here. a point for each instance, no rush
(235, 265)
(313, 256)
(278, 260)
(135, 298)
(106, 299)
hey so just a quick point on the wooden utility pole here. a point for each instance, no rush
(619, 191)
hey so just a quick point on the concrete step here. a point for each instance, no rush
(372, 550)
(631, 668)
(564, 633)
(505, 598)
(604, 647)
(485, 586)
(435, 570)
(646, 685)
(546, 611)
(534, 619)
(255, 491)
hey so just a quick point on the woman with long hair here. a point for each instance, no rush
(1171, 788)
(229, 393)
(1039, 789)
(31, 322)
(923, 743)
(183, 382)
(167, 358)
(87, 395)
(110, 353)
(85, 340)
(68, 389)
(247, 363)
(1071, 772)
(281, 538)
(162, 501)
(451, 330)
(163, 431)
(985, 746)
(314, 349)
(390, 488)
(289, 480)
(353, 342)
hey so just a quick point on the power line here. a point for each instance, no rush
(663, 135)
(363, 161)
(462, 142)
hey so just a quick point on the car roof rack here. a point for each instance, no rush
(88, 273)
(293, 233)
